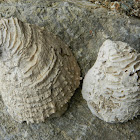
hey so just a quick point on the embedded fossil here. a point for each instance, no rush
(38, 73)
(112, 86)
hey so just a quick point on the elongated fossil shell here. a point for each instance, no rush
(112, 86)
(38, 73)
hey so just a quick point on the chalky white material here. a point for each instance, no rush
(112, 86)
(38, 73)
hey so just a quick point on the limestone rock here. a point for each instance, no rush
(130, 7)
(38, 73)
(84, 27)
(112, 86)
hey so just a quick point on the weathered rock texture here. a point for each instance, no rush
(84, 27)
(112, 86)
(130, 7)
(38, 73)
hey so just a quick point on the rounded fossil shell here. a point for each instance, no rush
(112, 86)
(38, 73)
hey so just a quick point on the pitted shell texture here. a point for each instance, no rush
(38, 73)
(112, 86)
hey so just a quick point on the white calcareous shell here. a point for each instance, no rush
(38, 73)
(112, 86)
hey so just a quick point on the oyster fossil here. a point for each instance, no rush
(112, 86)
(38, 73)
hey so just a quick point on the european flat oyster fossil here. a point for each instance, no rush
(112, 86)
(38, 73)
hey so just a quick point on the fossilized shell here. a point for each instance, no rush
(38, 73)
(112, 86)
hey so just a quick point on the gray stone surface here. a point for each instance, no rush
(129, 7)
(84, 27)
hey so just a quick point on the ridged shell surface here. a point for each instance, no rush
(38, 73)
(112, 86)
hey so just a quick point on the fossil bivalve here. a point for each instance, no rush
(38, 73)
(112, 86)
